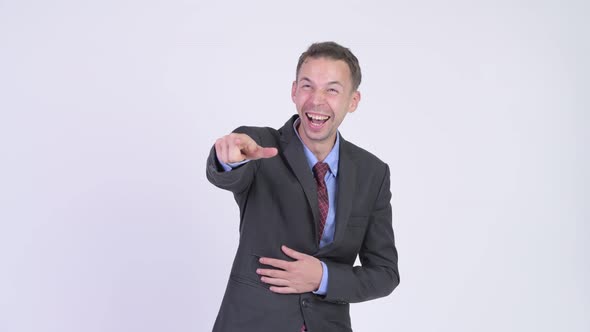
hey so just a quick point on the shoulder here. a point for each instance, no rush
(372, 173)
(262, 131)
(262, 135)
(361, 156)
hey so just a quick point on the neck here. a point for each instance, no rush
(320, 149)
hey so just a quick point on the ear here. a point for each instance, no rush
(293, 90)
(354, 101)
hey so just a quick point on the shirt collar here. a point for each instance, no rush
(332, 158)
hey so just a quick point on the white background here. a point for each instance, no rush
(108, 110)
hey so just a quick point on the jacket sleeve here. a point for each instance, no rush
(378, 274)
(237, 180)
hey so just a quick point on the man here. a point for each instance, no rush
(310, 202)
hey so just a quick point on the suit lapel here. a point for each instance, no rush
(346, 190)
(293, 151)
(345, 193)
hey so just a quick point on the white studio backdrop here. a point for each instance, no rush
(108, 111)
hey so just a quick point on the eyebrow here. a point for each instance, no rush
(329, 83)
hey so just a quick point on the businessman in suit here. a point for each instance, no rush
(309, 203)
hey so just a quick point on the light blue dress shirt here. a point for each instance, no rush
(332, 186)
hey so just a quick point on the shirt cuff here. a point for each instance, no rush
(229, 166)
(323, 289)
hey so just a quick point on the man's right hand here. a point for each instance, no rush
(234, 148)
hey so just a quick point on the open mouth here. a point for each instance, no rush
(317, 120)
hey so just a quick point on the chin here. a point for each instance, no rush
(318, 136)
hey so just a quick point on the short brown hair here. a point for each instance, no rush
(333, 51)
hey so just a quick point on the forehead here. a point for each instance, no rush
(325, 69)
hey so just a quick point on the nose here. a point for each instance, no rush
(318, 97)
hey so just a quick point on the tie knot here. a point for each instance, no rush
(320, 169)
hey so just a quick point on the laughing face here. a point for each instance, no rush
(323, 95)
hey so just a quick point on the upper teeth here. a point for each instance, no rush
(318, 117)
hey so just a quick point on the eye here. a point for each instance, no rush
(333, 91)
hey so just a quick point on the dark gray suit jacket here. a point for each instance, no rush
(278, 205)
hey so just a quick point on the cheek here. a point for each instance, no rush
(300, 98)
(338, 106)
(305, 103)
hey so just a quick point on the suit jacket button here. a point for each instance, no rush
(305, 303)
